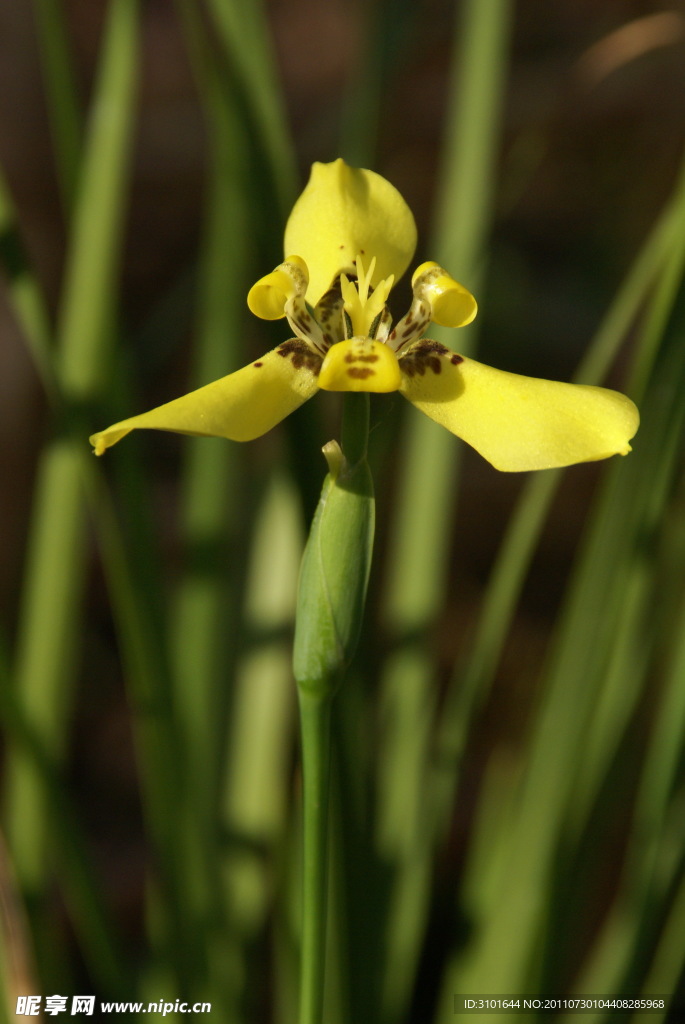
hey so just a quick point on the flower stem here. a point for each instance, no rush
(315, 720)
(330, 606)
(355, 426)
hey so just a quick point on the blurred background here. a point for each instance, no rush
(580, 154)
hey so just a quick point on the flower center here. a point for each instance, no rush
(363, 309)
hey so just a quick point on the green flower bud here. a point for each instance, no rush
(334, 575)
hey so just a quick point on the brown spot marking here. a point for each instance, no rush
(455, 359)
(424, 356)
(332, 296)
(257, 365)
(300, 355)
(360, 372)
(424, 347)
(352, 358)
(416, 329)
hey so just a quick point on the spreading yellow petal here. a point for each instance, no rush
(240, 407)
(517, 423)
(360, 364)
(345, 212)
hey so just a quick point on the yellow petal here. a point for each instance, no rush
(345, 212)
(517, 423)
(240, 407)
(360, 364)
(269, 297)
(450, 303)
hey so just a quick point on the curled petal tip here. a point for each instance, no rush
(269, 297)
(451, 304)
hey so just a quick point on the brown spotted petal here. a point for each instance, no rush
(240, 407)
(360, 364)
(517, 423)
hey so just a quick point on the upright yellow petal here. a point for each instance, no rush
(517, 423)
(240, 407)
(345, 212)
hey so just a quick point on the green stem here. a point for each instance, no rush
(315, 720)
(355, 426)
(332, 591)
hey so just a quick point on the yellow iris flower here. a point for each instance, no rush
(351, 235)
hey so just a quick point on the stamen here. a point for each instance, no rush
(363, 308)
(364, 279)
(348, 291)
